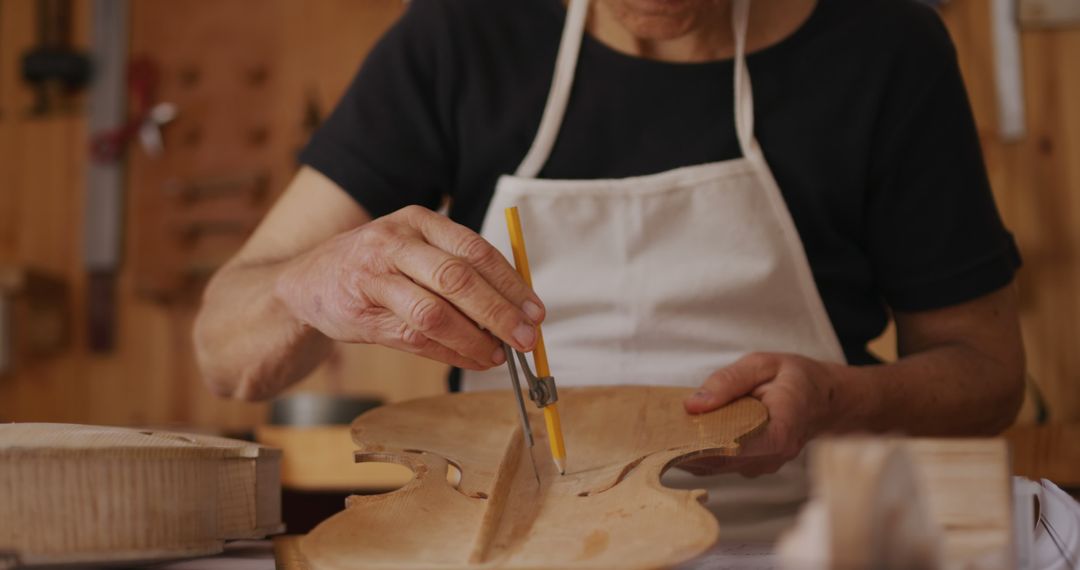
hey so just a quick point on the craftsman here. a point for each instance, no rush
(711, 199)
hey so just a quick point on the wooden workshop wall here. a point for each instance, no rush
(1037, 185)
(243, 73)
(278, 56)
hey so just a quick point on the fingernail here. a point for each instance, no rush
(498, 357)
(532, 310)
(702, 395)
(525, 335)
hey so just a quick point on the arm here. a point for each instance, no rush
(960, 373)
(247, 343)
(319, 269)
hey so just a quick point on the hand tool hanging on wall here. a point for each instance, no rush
(34, 316)
(104, 181)
(145, 120)
(1008, 75)
(53, 67)
(1049, 13)
(253, 185)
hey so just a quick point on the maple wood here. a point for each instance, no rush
(88, 494)
(608, 511)
(905, 503)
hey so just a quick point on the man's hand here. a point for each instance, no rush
(799, 393)
(415, 281)
(960, 373)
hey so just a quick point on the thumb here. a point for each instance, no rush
(731, 382)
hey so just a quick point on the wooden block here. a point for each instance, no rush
(905, 503)
(87, 494)
(321, 459)
(968, 489)
(608, 511)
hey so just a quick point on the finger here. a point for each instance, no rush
(454, 279)
(695, 469)
(462, 242)
(761, 467)
(702, 467)
(435, 319)
(392, 332)
(747, 467)
(731, 382)
(408, 340)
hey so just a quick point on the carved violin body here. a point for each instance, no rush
(609, 509)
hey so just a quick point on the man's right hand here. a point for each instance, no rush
(415, 281)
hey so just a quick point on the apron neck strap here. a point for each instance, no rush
(566, 63)
(744, 94)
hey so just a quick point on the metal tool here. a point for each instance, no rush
(149, 131)
(542, 392)
(54, 68)
(103, 217)
(542, 389)
(1008, 70)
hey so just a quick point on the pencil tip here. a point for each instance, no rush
(561, 464)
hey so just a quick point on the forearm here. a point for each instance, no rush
(950, 390)
(247, 342)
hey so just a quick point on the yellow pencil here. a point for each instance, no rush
(551, 412)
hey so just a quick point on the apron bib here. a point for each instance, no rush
(663, 279)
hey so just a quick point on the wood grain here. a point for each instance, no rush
(1036, 182)
(320, 458)
(905, 503)
(1047, 452)
(608, 511)
(80, 494)
(151, 378)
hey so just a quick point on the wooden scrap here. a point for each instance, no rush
(86, 494)
(893, 503)
(319, 459)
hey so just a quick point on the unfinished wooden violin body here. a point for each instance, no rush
(608, 511)
(75, 494)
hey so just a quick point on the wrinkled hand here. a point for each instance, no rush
(415, 281)
(798, 393)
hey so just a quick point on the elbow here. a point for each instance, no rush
(212, 360)
(1012, 384)
(253, 387)
(243, 385)
(1011, 400)
(208, 358)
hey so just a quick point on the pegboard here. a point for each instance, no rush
(193, 205)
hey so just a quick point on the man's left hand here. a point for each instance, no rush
(801, 396)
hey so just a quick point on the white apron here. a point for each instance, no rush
(663, 279)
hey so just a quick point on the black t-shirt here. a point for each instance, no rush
(861, 113)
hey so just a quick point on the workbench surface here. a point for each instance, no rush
(259, 555)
